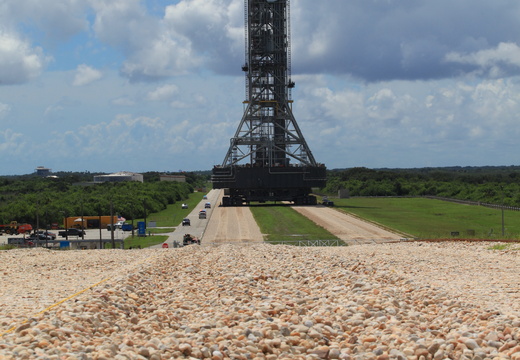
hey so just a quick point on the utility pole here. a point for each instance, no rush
(37, 215)
(144, 206)
(112, 227)
(66, 227)
(100, 236)
(82, 219)
(503, 228)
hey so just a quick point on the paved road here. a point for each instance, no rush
(198, 226)
(232, 224)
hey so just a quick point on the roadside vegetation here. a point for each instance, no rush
(31, 199)
(494, 185)
(505, 247)
(282, 223)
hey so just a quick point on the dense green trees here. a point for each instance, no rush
(496, 185)
(47, 200)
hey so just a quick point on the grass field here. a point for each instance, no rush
(173, 214)
(142, 242)
(282, 223)
(427, 218)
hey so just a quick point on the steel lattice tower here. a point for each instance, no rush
(268, 157)
(268, 134)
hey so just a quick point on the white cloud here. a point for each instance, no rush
(50, 110)
(4, 110)
(493, 59)
(11, 142)
(123, 101)
(508, 53)
(19, 62)
(162, 93)
(86, 75)
(57, 20)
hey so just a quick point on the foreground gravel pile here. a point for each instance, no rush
(271, 302)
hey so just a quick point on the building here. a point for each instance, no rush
(119, 176)
(89, 222)
(178, 178)
(42, 171)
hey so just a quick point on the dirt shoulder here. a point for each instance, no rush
(346, 227)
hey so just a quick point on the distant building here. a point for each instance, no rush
(119, 176)
(178, 178)
(42, 171)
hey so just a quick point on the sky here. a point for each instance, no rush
(154, 85)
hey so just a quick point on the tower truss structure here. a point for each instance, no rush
(268, 134)
(268, 145)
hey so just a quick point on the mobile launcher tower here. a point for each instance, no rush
(268, 158)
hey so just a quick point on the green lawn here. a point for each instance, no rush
(143, 242)
(173, 214)
(427, 218)
(281, 223)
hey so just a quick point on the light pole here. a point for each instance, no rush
(112, 227)
(503, 229)
(65, 223)
(144, 206)
(82, 218)
(100, 235)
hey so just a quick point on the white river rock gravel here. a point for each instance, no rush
(410, 300)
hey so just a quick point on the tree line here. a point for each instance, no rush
(31, 199)
(495, 185)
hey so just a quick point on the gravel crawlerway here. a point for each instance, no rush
(386, 301)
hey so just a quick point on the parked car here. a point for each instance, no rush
(184, 206)
(34, 237)
(71, 232)
(49, 234)
(127, 227)
(186, 222)
(207, 205)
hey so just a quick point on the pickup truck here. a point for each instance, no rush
(71, 232)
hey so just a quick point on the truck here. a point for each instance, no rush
(120, 225)
(71, 232)
(117, 225)
(14, 228)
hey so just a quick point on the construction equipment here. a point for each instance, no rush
(325, 201)
(190, 240)
(14, 228)
(268, 158)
